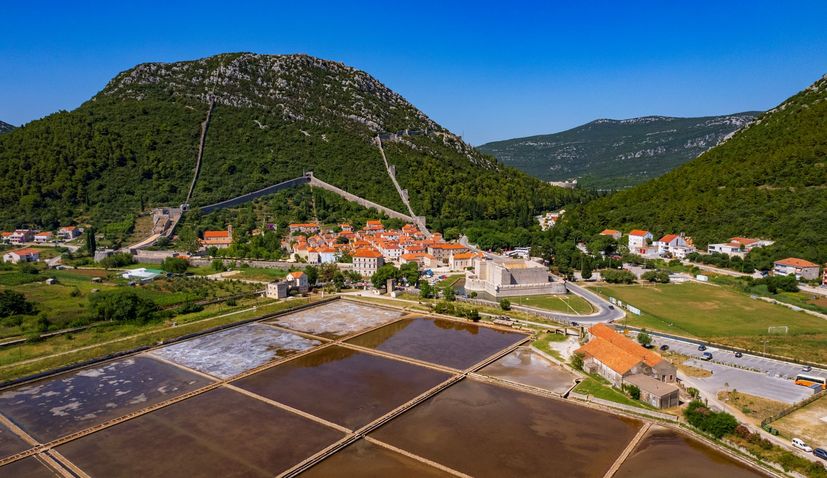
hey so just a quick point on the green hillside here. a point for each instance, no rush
(769, 180)
(615, 154)
(133, 146)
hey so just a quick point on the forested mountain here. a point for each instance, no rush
(615, 154)
(769, 181)
(5, 127)
(133, 146)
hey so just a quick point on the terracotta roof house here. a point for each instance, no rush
(366, 261)
(613, 233)
(800, 268)
(618, 358)
(219, 239)
(639, 240)
(22, 255)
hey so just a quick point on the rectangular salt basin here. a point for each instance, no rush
(343, 386)
(230, 352)
(664, 452)
(365, 459)
(529, 368)
(337, 319)
(484, 430)
(11, 443)
(29, 467)
(218, 433)
(72, 401)
(440, 341)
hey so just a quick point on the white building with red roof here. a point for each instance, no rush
(639, 241)
(21, 255)
(219, 239)
(367, 261)
(800, 268)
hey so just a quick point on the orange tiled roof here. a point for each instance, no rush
(216, 234)
(796, 262)
(448, 245)
(743, 240)
(669, 238)
(617, 352)
(369, 253)
(609, 232)
(464, 255)
(638, 232)
(25, 252)
(296, 274)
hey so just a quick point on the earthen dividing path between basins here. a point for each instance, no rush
(40, 448)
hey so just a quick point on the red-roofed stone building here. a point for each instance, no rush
(621, 360)
(219, 239)
(800, 268)
(366, 261)
(22, 255)
(639, 241)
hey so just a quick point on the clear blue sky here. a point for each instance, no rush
(483, 70)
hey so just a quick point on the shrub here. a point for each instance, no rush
(505, 304)
(14, 303)
(124, 306)
(618, 276)
(175, 265)
(633, 391)
(661, 277)
(577, 361)
(716, 424)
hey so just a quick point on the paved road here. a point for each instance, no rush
(605, 311)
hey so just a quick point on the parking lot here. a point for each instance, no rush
(768, 378)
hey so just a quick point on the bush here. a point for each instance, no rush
(119, 259)
(577, 361)
(176, 265)
(643, 338)
(126, 306)
(505, 304)
(661, 277)
(618, 276)
(231, 302)
(633, 391)
(14, 303)
(716, 424)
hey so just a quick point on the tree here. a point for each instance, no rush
(644, 338)
(117, 305)
(176, 265)
(576, 361)
(410, 272)
(119, 259)
(448, 293)
(14, 303)
(618, 276)
(218, 265)
(586, 270)
(42, 323)
(312, 274)
(659, 276)
(474, 315)
(380, 278)
(425, 290)
(633, 391)
(505, 304)
(716, 424)
(91, 244)
(338, 280)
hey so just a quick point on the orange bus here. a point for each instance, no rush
(810, 380)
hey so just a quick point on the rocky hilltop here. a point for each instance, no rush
(610, 154)
(272, 117)
(5, 127)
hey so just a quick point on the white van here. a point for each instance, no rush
(799, 443)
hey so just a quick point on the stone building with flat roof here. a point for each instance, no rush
(510, 278)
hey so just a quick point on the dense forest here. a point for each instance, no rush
(133, 146)
(615, 154)
(767, 181)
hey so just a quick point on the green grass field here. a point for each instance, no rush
(600, 388)
(723, 315)
(254, 273)
(569, 303)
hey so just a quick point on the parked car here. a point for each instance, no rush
(648, 346)
(799, 443)
(664, 347)
(611, 307)
(821, 453)
(807, 368)
(702, 347)
(738, 355)
(706, 356)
